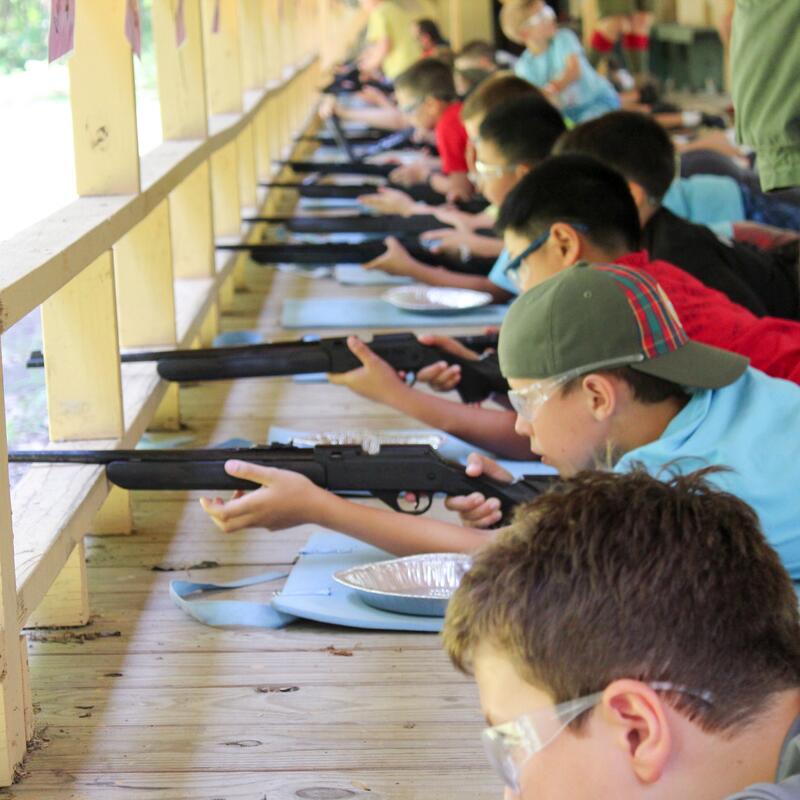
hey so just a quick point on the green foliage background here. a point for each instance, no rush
(24, 26)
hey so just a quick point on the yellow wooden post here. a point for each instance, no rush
(181, 77)
(79, 322)
(192, 225)
(252, 44)
(222, 57)
(103, 101)
(12, 679)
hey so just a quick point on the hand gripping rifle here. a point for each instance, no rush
(479, 379)
(386, 475)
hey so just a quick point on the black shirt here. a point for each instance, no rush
(752, 278)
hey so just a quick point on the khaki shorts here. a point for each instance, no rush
(614, 8)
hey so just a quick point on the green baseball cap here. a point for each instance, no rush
(606, 315)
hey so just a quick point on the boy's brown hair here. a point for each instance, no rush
(428, 77)
(499, 88)
(627, 576)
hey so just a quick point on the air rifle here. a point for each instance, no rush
(356, 223)
(393, 470)
(339, 168)
(479, 379)
(420, 193)
(359, 253)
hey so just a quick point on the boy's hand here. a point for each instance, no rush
(327, 107)
(396, 260)
(388, 201)
(474, 509)
(448, 240)
(376, 379)
(409, 174)
(285, 499)
(442, 376)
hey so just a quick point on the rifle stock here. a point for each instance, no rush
(394, 470)
(479, 379)
(356, 223)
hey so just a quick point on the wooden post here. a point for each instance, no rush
(103, 101)
(225, 191)
(67, 601)
(12, 679)
(252, 44)
(192, 226)
(144, 283)
(181, 77)
(223, 66)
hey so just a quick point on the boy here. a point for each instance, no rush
(643, 153)
(426, 94)
(511, 140)
(634, 638)
(392, 47)
(602, 373)
(554, 61)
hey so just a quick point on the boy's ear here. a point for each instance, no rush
(637, 719)
(639, 194)
(601, 396)
(568, 241)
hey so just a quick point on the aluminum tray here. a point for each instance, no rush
(436, 299)
(420, 585)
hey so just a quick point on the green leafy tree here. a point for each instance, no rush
(23, 32)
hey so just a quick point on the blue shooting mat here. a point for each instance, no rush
(359, 312)
(329, 203)
(309, 593)
(356, 275)
(451, 447)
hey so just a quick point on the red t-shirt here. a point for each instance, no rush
(771, 344)
(451, 140)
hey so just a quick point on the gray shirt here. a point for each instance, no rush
(788, 777)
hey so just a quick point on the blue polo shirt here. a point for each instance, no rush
(753, 428)
(712, 200)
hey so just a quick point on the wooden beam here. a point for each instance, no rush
(225, 191)
(223, 66)
(181, 77)
(254, 67)
(12, 680)
(67, 601)
(103, 101)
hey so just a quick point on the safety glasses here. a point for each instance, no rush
(485, 170)
(544, 14)
(511, 745)
(528, 402)
(409, 108)
(513, 270)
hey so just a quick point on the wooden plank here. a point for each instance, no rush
(382, 783)
(13, 681)
(103, 100)
(254, 73)
(181, 77)
(239, 747)
(225, 191)
(79, 331)
(144, 284)
(245, 147)
(222, 56)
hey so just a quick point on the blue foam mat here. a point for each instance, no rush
(356, 312)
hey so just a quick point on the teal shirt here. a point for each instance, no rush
(751, 427)
(588, 97)
(712, 200)
(497, 275)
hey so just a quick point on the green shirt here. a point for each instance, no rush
(389, 21)
(766, 86)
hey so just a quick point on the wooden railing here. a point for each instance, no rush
(132, 263)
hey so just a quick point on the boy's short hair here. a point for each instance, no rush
(497, 88)
(633, 144)
(614, 576)
(573, 188)
(524, 130)
(428, 77)
(477, 48)
(513, 16)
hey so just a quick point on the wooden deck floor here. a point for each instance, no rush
(145, 703)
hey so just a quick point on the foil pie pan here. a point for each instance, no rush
(420, 585)
(436, 299)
